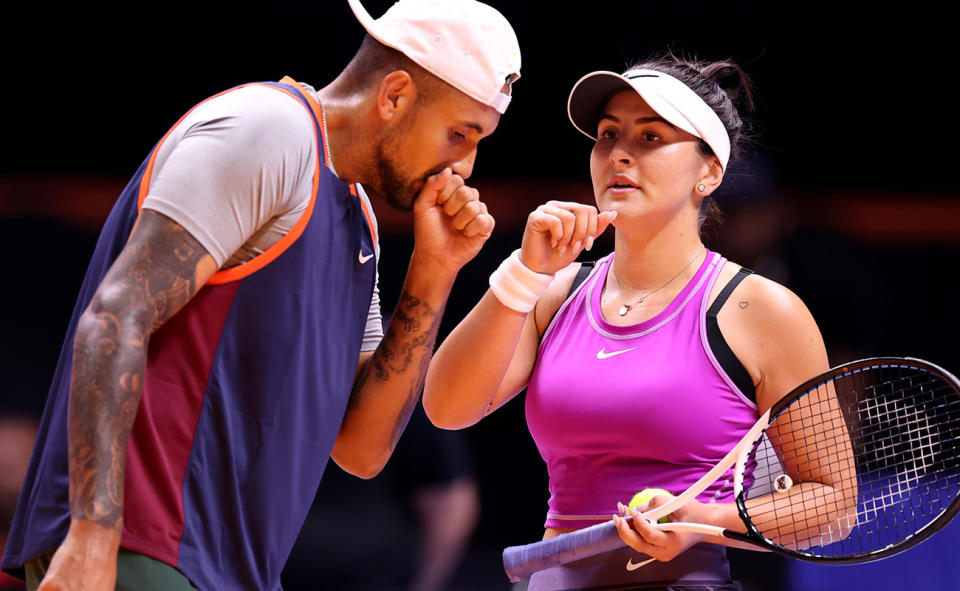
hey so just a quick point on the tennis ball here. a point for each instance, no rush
(644, 496)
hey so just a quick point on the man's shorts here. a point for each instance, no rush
(135, 572)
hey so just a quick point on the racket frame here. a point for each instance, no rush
(738, 456)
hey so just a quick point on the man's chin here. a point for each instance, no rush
(394, 198)
(401, 200)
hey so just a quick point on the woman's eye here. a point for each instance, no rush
(607, 134)
(650, 136)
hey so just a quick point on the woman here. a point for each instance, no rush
(661, 359)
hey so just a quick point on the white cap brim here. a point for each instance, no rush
(668, 97)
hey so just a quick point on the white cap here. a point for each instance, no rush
(670, 98)
(465, 43)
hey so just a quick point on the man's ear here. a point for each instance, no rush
(397, 93)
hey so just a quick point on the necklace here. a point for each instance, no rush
(625, 308)
(326, 138)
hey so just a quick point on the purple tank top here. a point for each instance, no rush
(616, 409)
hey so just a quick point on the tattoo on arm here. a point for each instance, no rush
(151, 280)
(408, 343)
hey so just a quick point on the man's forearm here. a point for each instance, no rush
(105, 391)
(159, 270)
(387, 389)
(405, 353)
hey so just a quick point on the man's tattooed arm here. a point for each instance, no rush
(158, 271)
(388, 386)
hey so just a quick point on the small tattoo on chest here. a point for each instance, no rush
(744, 304)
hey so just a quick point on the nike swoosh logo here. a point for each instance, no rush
(602, 354)
(362, 258)
(631, 566)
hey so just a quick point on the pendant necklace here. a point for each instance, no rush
(625, 308)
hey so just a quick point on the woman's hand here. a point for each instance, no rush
(558, 231)
(663, 545)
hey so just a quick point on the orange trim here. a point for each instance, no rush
(366, 213)
(268, 256)
(145, 181)
(318, 112)
(277, 248)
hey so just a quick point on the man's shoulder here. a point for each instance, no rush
(257, 97)
(258, 109)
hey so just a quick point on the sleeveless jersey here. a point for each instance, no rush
(244, 392)
(616, 409)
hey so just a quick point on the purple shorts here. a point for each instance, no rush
(703, 567)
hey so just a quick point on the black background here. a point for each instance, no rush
(854, 99)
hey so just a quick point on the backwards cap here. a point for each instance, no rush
(465, 43)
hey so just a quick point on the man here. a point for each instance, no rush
(224, 344)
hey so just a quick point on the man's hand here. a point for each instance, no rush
(86, 561)
(450, 222)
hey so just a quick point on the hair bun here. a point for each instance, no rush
(733, 81)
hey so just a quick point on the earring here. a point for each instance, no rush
(701, 188)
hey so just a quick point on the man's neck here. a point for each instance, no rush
(349, 135)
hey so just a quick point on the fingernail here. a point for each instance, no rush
(589, 243)
(563, 250)
(577, 245)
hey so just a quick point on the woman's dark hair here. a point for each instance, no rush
(727, 89)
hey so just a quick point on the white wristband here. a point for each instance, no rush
(516, 285)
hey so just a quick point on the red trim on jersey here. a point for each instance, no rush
(180, 356)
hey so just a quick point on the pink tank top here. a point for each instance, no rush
(616, 409)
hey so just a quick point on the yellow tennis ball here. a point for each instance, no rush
(644, 496)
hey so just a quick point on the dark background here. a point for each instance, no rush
(848, 196)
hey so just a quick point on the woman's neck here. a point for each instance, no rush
(644, 263)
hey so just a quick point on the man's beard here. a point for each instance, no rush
(395, 188)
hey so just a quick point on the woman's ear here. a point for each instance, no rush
(711, 178)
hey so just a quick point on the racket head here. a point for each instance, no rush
(891, 430)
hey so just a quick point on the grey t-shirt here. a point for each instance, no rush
(237, 173)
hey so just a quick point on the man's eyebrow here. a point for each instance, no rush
(474, 126)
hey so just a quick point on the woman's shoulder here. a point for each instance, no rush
(559, 290)
(772, 332)
(775, 300)
(757, 290)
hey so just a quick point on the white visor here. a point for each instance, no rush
(670, 98)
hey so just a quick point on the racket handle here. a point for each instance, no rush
(522, 561)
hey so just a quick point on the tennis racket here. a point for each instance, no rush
(864, 463)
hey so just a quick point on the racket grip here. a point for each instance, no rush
(522, 561)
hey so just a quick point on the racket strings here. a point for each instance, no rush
(871, 457)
